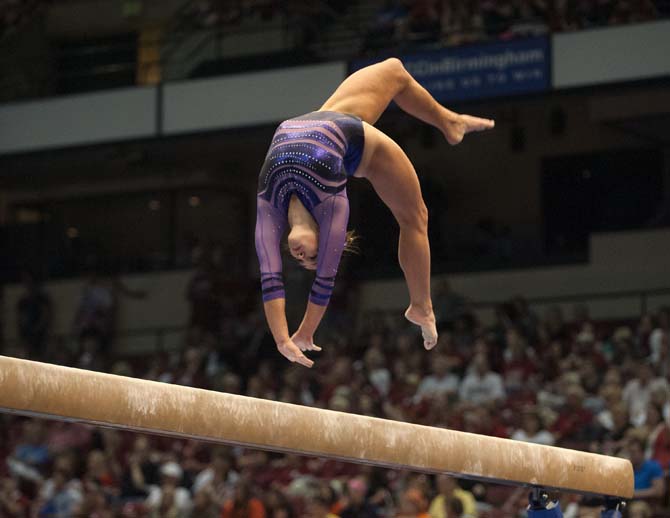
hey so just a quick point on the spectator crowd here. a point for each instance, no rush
(450, 22)
(599, 386)
(14, 14)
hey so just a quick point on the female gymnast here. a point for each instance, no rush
(302, 185)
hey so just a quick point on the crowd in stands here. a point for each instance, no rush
(450, 22)
(600, 386)
(15, 13)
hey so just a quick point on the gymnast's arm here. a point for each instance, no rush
(270, 225)
(332, 215)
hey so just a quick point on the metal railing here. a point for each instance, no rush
(639, 303)
(641, 296)
(127, 343)
(155, 340)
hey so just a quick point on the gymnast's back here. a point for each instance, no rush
(312, 156)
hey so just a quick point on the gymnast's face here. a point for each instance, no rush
(303, 244)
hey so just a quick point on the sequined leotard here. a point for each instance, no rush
(311, 156)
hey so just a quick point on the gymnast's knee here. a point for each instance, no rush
(415, 220)
(397, 72)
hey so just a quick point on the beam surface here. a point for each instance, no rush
(38, 389)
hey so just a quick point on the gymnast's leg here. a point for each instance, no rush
(393, 177)
(367, 92)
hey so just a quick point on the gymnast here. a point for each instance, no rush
(302, 186)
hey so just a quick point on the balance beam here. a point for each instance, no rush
(62, 393)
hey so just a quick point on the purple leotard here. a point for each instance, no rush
(311, 156)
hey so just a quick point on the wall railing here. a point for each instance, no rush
(156, 340)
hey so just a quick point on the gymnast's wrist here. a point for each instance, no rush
(282, 340)
(304, 333)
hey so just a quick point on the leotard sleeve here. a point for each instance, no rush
(332, 215)
(270, 226)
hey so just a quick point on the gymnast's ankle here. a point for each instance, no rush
(421, 311)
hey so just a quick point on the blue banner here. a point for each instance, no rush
(480, 71)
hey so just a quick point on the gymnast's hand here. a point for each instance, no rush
(305, 343)
(293, 353)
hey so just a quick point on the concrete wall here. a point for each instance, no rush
(248, 99)
(611, 54)
(186, 107)
(624, 261)
(620, 262)
(122, 114)
(165, 306)
(484, 177)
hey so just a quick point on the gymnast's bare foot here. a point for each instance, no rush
(425, 319)
(457, 126)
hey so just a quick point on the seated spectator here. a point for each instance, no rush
(441, 382)
(192, 369)
(62, 437)
(609, 396)
(532, 430)
(637, 392)
(219, 478)
(102, 471)
(660, 351)
(31, 454)
(573, 424)
(169, 499)
(611, 428)
(96, 502)
(423, 23)
(649, 476)
(553, 325)
(358, 505)
(454, 509)
(481, 385)
(204, 505)
(386, 25)
(448, 490)
(482, 420)
(659, 444)
(64, 499)
(277, 505)
(411, 504)
(518, 361)
(243, 503)
(528, 20)
(142, 470)
(319, 507)
(498, 17)
(639, 509)
(13, 503)
(64, 465)
(378, 374)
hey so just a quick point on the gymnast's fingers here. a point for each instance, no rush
(303, 360)
(293, 353)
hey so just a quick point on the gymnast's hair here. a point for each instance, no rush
(351, 242)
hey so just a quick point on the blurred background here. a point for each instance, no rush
(131, 136)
